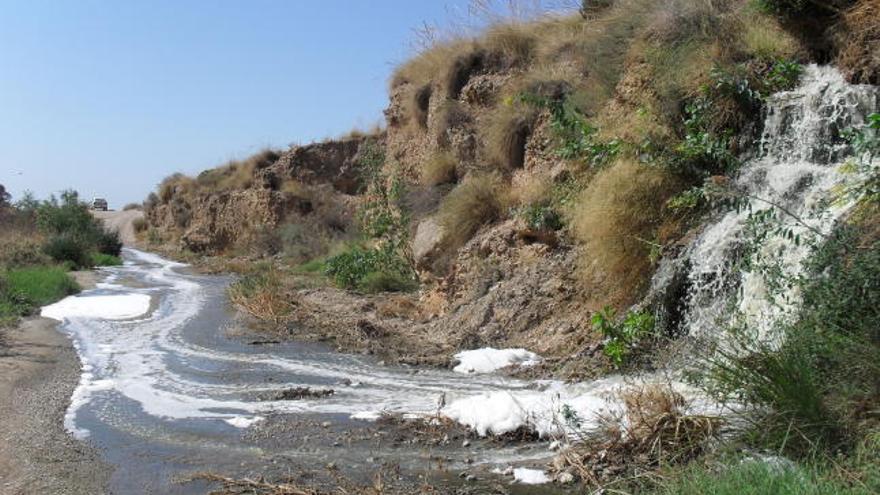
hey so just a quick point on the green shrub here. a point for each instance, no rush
(101, 259)
(540, 217)
(107, 242)
(387, 282)
(622, 335)
(68, 248)
(370, 269)
(578, 139)
(24, 290)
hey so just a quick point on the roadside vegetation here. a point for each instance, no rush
(40, 241)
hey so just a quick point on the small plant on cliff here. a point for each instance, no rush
(622, 335)
(540, 217)
(477, 201)
(578, 139)
(371, 269)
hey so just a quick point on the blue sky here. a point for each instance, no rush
(108, 97)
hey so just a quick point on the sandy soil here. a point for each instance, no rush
(39, 370)
(122, 221)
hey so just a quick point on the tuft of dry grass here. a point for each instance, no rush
(506, 134)
(859, 55)
(764, 38)
(439, 169)
(21, 247)
(261, 294)
(236, 174)
(532, 190)
(477, 201)
(511, 44)
(616, 219)
(655, 430)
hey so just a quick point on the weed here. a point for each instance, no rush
(540, 217)
(622, 335)
(621, 208)
(101, 259)
(370, 269)
(578, 140)
(261, 294)
(23, 290)
(439, 169)
(478, 200)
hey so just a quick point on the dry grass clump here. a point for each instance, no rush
(533, 190)
(655, 430)
(511, 44)
(616, 219)
(21, 247)
(261, 294)
(506, 134)
(173, 184)
(237, 174)
(477, 201)
(764, 38)
(439, 169)
(859, 54)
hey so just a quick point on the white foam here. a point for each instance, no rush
(367, 415)
(487, 359)
(242, 421)
(530, 476)
(112, 307)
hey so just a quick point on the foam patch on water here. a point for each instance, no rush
(112, 307)
(530, 476)
(243, 422)
(487, 359)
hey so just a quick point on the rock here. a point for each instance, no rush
(427, 242)
(326, 424)
(466, 443)
(565, 478)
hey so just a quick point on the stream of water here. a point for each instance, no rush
(172, 384)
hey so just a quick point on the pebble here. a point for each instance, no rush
(326, 424)
(466, 443)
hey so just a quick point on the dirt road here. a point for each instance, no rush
(39, 370)
(122, 221)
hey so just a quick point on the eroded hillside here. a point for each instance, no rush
(526, 179)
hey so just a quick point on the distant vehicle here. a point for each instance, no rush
(99, 204)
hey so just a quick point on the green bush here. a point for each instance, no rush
(387, 282)
(107, 242)
(101, 259)
(622, 335)
(68, 248)
(540, 217)
(24, 290)
(370, 270)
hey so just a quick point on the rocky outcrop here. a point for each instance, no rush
(208, 221)
(330, 162)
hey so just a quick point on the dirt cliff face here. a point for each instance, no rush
(302, 180)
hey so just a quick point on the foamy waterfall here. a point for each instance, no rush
(798, 167)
